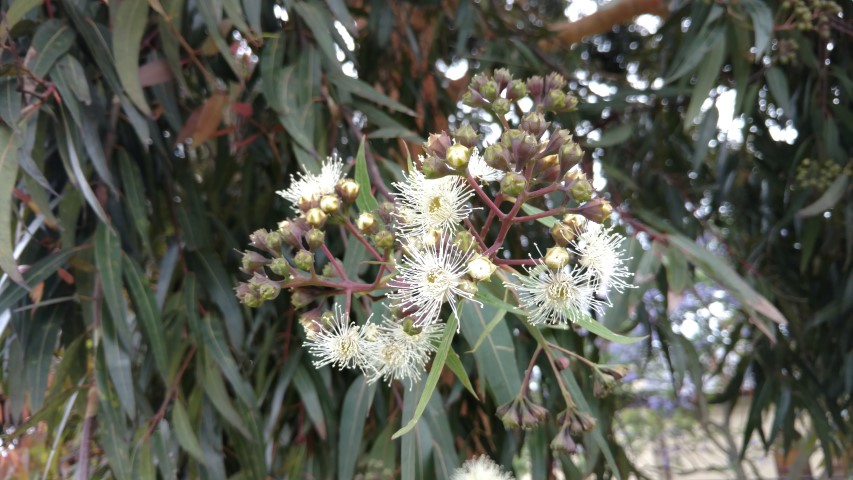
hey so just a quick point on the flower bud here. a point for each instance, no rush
(515, 90)
(315, 218)
(497, 156)
(253, 262)
(513, 184)
(570, 154)
(310, 322)
(501, 106)
(458, 155)
(467, 286)
(598, 210)
(489, 90)
(248, 296)
(575, 222)
(581, 190)
(521, 412)
(602, 385)
(472, 98)
(301, 298)
(366, 223)
(347, 189)
(306, 203)
(563, 440)
(562, 234)
(267, 289)
(437, 144)
(480, 268)
(330, 203)
(502, 78)
(618, 372)
(384, 239)
(557, 139)
(562, 363)
(463, 240)
(258, 239)
(546, 163)
(555, 101)
(328, 270)
(433, 167)
(315, 238)
(466, 136)
(386, 211)
(556, 258)
(304, 260)
(534, 123)
(535, 86)
(280, 267)
(290, 232)
(555, 81)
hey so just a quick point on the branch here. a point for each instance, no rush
(619, 12)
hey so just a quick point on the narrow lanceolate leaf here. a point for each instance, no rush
(185, 432)
(71, 153)
(432, 378)
(108, 261)
(365, 200)
(829, 198)
(129, 18)
(18, 9)
(495, 357)
(36, 274)
(356, 406)
(147, 315)
(51, 41)
(8, 174)
(454, 363)
(311, 399)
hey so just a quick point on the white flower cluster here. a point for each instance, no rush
(312, 186)
(481, 468)
(390, 351)
(560, 295)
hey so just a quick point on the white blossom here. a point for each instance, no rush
(481, 468)
(556, 296)
(478, 168)
(400, 351)
(431, 204)
(338, 342)
(599, 249)
(427, 277)
(312, 187)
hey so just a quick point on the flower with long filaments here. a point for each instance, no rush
(427, 277)
(339, 343)
(311, 186)
(479, 169)
(599, 250)
(399, 351)
(481, 468)
(556, 296)
(431, 204)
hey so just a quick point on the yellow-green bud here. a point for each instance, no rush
(501, 106)
(366, 223)
(301, 298)
(556, 258)
(280, 267)
(562, 234)
(274, 241)
(463, 240)
(330, 203)
(597, 210)
(315, 217)
(466, 136)
(384, 239)
(481, 268)
(304, 260)
(581, 190)
(513, 183)
(347, 189)
(315, 238)
(458, 155)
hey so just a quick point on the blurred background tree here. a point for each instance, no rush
(141, 142)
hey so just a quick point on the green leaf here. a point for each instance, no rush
(271, 64)
(117, 361)
(531, 210)
(707, 79)
(8, 175)
(762, 23)
(215, 390)
(365, 200)
(235, 13)
(454, 363)
(147, 315)
(495, 358)
(310, 399)
(355, 86)
(217, 282)
(498, 318)
(108, 261)
(253, 14)
(444, 455)
(134, 195)
(52, 39)
(129, 18)
(39, 352)
(829, 198)
(17, 11)
(354, 412)
(320, 24)
(414, 448)
(613, 136)
(185, 432)
(432, 378)
(71, 154)
(778, 85)
(37, 273)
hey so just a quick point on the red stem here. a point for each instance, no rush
(349, 226)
